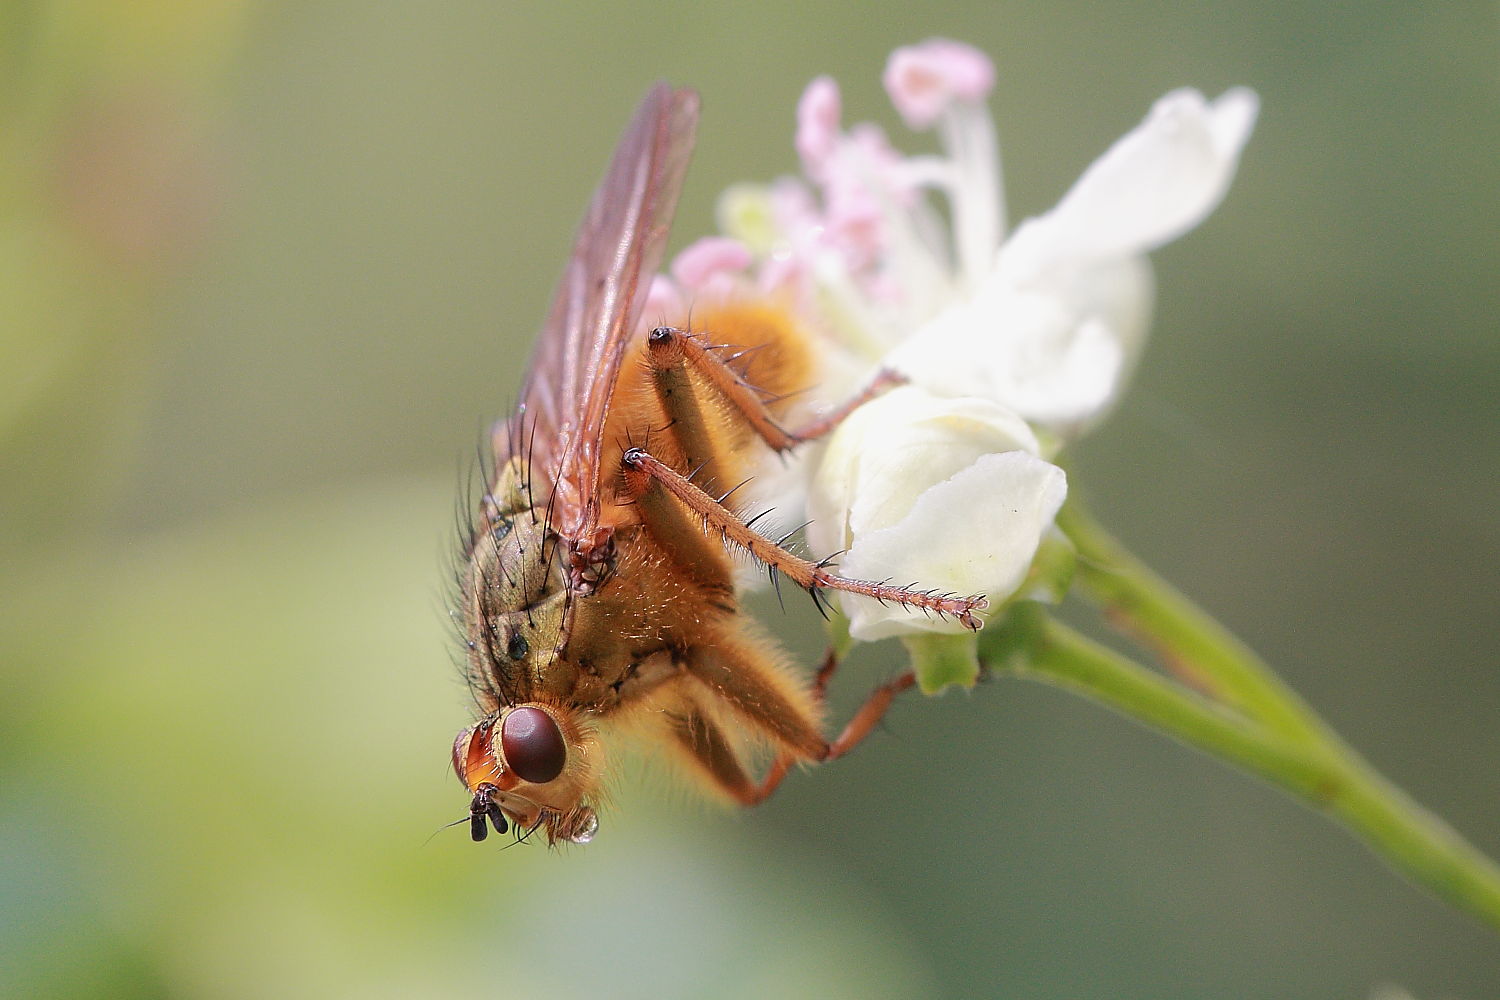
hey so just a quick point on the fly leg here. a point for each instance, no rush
(692, 382)
(855, 730)
(706, 745)
(661, 490)
(740, 680)
(869, 715)
(748, 679)
(704, 742)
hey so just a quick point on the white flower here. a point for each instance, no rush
(1046, 321)
(1064, 306)
(934, 490)
(1012, 344)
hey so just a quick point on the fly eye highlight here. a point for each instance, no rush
(533, 745)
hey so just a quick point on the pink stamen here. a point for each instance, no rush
(856, 224)
(663, 302)
(710, 258)
(785, 273)
(924, 79)
(793, 208)
(818, 114)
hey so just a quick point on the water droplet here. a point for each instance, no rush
(587, 831)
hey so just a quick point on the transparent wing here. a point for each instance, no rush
(596, 308)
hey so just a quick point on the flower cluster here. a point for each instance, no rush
(1011, 342)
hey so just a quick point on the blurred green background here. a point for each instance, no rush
(267, 269)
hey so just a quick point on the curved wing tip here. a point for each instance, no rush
(686, 99)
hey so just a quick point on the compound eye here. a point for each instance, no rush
(461, 755)
(533, 745)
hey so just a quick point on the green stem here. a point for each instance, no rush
(1237, 710)
(1411, 839)
(1060, 656)
(1186, 636)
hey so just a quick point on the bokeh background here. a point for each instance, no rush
(266, 270)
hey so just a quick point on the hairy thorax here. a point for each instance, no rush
(530, 639)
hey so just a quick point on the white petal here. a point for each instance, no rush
(912, 440)
(1067, 376)
(1120, 293)
(1233, 119)
(1118, 296)
(1063, 373)
(893, 448)
(975, 532)
(1154, 184)
(1053, 349)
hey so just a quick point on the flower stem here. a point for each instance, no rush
(1232, 706)
(1060, 656)
(1185, 635)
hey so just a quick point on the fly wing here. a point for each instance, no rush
(596, 308)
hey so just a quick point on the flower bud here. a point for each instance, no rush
(917, 487)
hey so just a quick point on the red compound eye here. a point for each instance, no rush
(461, 755)
(533, 745)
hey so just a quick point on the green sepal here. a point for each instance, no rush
(943, 660)
(1051, 573)
(1008, 641)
